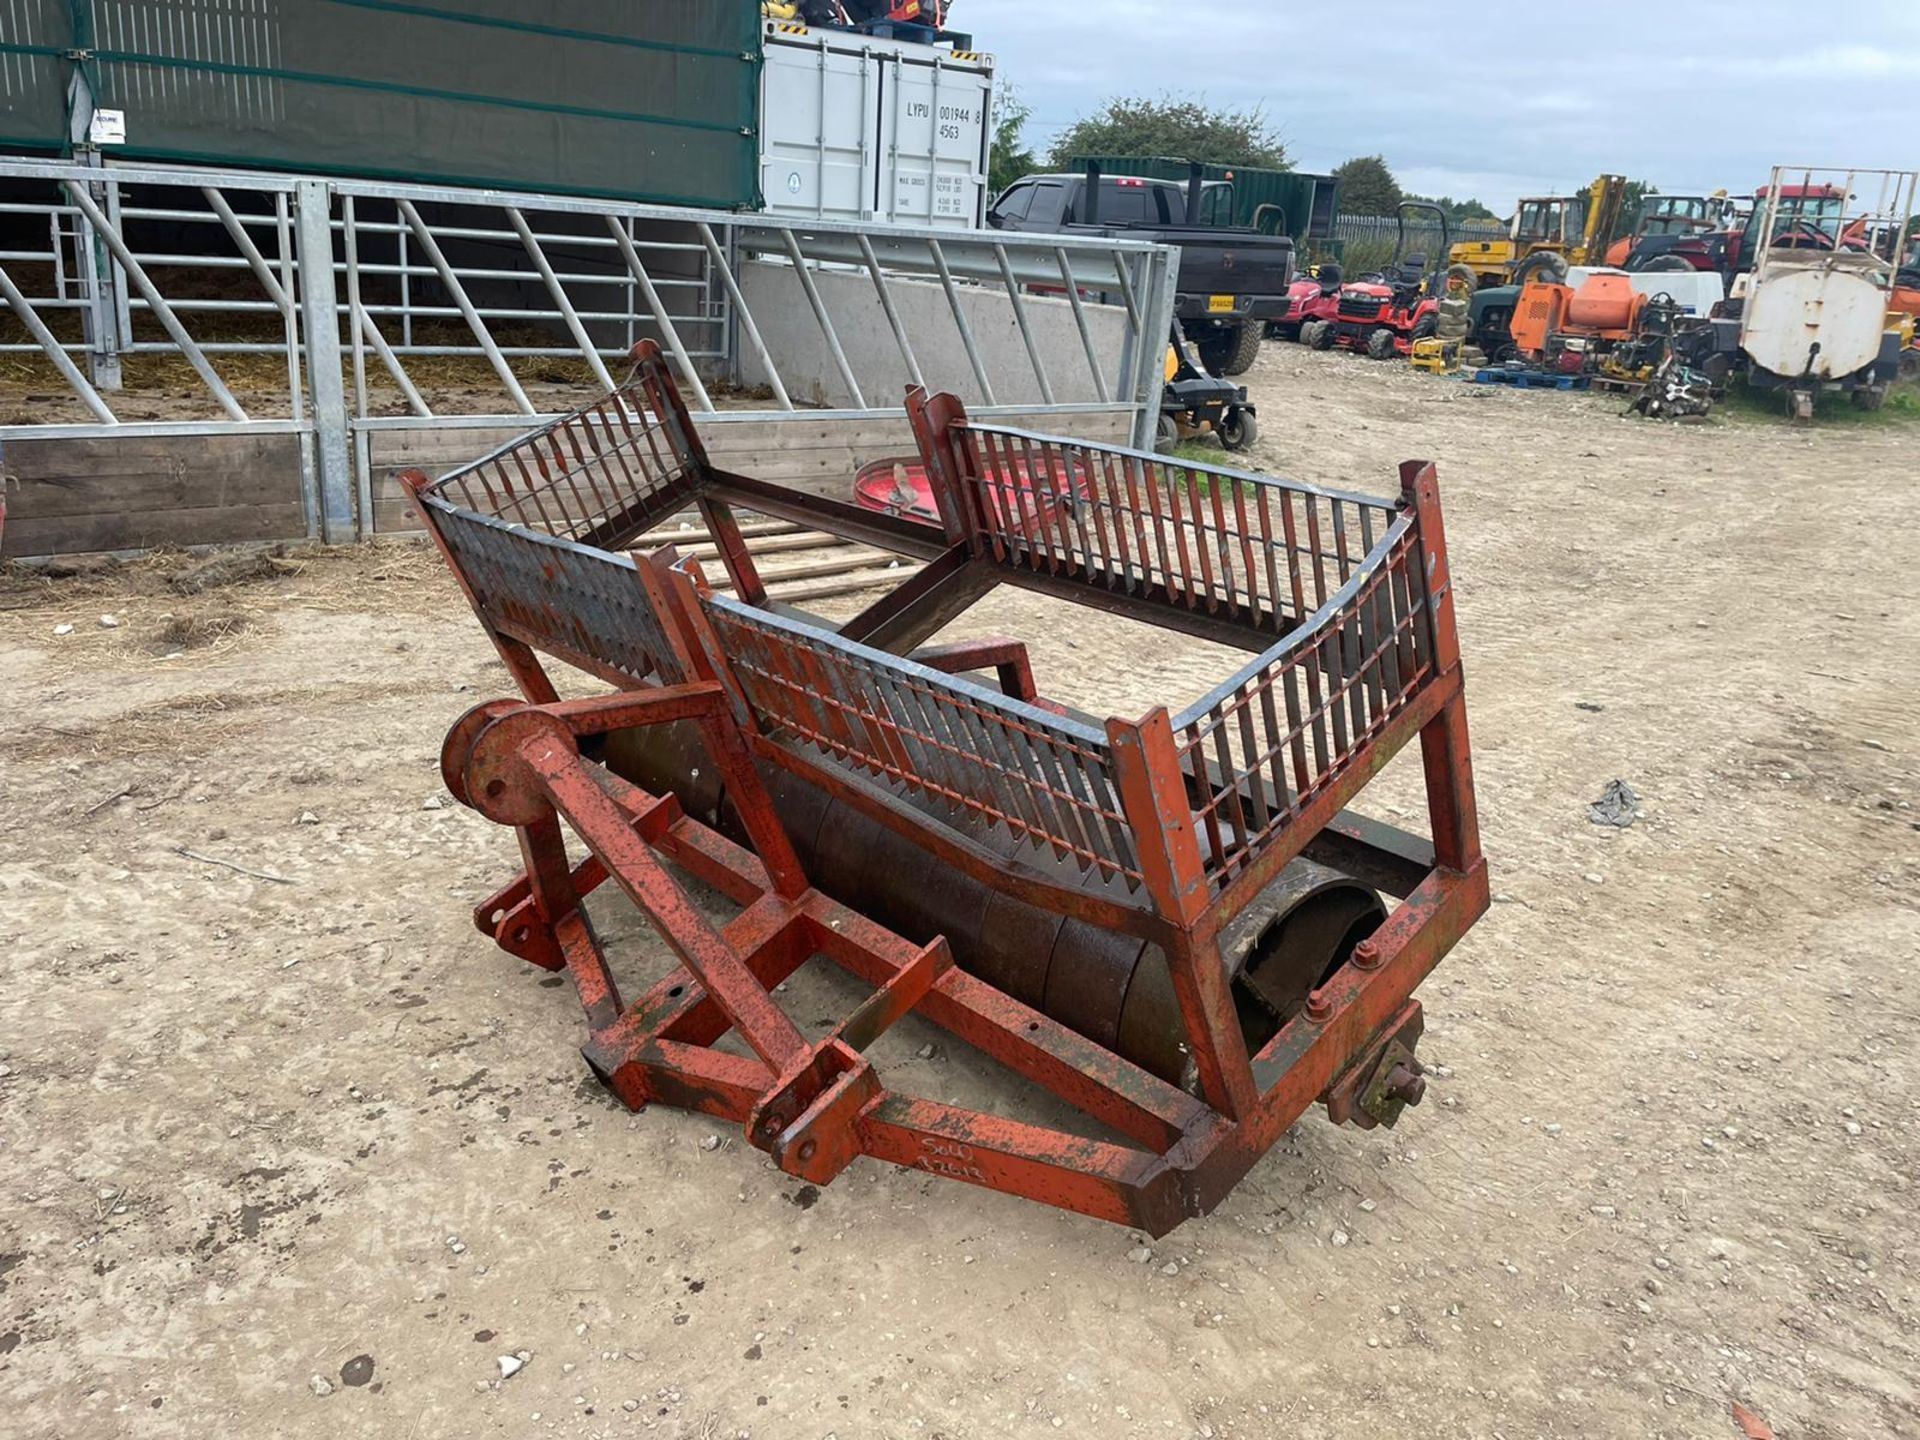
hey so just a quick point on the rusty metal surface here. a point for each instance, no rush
(1135, 927)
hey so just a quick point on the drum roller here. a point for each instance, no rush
(1112, 988)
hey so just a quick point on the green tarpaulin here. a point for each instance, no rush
(652, 100)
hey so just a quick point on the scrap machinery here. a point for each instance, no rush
(1171, 922)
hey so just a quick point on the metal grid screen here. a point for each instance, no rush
(1264, 744)
(35, 37)
(984, 760)
(649, 102)
(597, 477)
(1255, 551)
(566, 599)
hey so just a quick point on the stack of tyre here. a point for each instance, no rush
(1453, 320)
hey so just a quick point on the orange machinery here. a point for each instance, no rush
(1558, 324)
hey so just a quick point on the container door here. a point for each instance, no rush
(933, 125)
(816, 130)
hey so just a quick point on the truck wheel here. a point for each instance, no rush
(1246, 349)
(1665, 265)
(1380, 344)
(1238, 429)
(1214, 346)
(1166, 433)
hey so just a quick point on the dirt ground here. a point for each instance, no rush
(305, 1156)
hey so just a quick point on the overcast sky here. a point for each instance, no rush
(1495, 103)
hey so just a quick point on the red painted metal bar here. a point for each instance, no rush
(1006, 658)
(1153, 791)
(606, 830)
(1091, 1177)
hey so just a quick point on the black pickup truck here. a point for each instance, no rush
(1232, 281)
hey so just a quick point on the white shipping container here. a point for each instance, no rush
(853, 127)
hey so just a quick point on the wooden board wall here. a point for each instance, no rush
(67, 497)
(816, 455)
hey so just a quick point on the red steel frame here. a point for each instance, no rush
(1168, 797)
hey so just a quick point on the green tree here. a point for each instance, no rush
(1367, 186)
(1184, 129)
(1457, 210)
(1010, 157)
(1633, 196)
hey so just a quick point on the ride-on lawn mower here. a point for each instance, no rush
(1384, 314)
(1195, 402)
(1314, 296)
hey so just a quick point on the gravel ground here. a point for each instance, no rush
(304, 1156)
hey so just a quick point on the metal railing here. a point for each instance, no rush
(342, 309)
(595, 476)
(1330, 582)
(1254, 552)
(1268, 741)
(1369, 239)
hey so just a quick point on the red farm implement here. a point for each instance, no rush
(1171, 922)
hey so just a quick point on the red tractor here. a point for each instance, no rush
(1806, 220)
(1384, 313)
(1312, 297)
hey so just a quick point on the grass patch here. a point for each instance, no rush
(1201, 452)
(1208, 452)
(1902, 406)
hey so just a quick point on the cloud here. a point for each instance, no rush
(1833, 62)
(1689, 96)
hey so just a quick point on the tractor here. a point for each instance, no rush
(1804, 217)
(1664, 225)
(1313, 296)
(1384, 313)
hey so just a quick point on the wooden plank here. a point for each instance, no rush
(857, 583)
(81, 459)
(130, 493)
(840, 560)
(820, 457)
(176, 488)
(394, 517)
(144, 529)
(437, 449)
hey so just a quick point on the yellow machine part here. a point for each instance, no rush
(1436, 357)
(1611, 367)
(1494, 261)
(1491, 260)
(1604, 198)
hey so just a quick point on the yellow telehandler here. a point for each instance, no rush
(1574, 228)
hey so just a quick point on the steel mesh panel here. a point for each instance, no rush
(598, 476)
(1255, 551)
(1265, 743)
(985, 761)
(555, 595)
